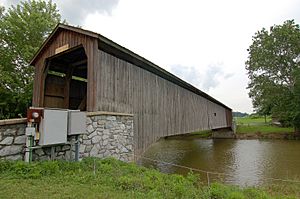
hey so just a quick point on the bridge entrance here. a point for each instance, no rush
(66, 80)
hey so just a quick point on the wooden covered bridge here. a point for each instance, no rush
(80, 69)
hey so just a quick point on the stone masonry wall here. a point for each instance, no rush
(12, 139)
(107, 135)
(60, 152)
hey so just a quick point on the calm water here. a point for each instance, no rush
(241, 162)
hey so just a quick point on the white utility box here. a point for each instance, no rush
(53, 127)
(77, 122)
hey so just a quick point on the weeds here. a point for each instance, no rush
(108, 178)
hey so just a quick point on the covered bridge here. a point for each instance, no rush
(80, 69)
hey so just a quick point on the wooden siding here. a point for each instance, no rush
(54, 95)
(73, 39)
(162, 104)
(54, 92)
(160, 107)
(229, 117)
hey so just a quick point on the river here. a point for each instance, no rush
(238, 162)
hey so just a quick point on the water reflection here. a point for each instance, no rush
(244, 162)
(249, 164)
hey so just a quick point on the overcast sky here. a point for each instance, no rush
(203, 42)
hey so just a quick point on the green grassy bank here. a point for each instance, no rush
(259, 125)
(109, 178)
(249, 128)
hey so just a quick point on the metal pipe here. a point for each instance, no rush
(77, 148)
(29, 137)
(52, 153)
(35, 147)
(30, 149)
(27, 150)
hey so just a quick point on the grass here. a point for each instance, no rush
(252, 120)
(197, 134)
(109, 178)
(203, 134)
(263, 129)
(258, 125)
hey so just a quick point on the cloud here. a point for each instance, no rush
(188, 74)
(210, 78)
(8, 3)
(213, 75)
(76, 11)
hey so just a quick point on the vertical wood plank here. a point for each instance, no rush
(160, 107)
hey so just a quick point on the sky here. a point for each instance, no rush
(204, 42)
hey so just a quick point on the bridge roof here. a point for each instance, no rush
(110, 46)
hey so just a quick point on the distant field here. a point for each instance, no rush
(263, 129)
(252, 121)
(258, 125)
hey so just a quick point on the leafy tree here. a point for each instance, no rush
(23, 28)
(296, 101)
(273, 71)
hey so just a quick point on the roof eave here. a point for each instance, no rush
(58, 26)
(129, 52)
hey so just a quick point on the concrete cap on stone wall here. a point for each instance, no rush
(13, 121)
(107, 113)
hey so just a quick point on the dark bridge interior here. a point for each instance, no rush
(66, 81)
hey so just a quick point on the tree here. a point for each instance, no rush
(296, 101)
(272, 68)
(22, 30)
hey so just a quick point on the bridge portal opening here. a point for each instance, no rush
(66, 80)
